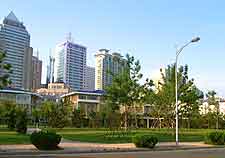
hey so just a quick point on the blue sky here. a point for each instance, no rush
(149, 30)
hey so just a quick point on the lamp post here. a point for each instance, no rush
(176, 86)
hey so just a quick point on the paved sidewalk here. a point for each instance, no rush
(80, 147)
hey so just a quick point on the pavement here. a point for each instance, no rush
(80, 147)
(191, 153)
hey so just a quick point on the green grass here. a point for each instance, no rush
(11, 137)
(164, 135)
(100, 136)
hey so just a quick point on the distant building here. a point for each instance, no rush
(205, 107)
(20, 97)
(90, 78)
(50, 70)
(70, 64)
(37, 72)
(15, 41)
(107, 64)
(86, 101)
(54, 89)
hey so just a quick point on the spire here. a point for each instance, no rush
(69, 37)
(12, 17)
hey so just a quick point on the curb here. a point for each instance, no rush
(8, 153)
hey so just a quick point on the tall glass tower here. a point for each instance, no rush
(15, 41)
(70, 64)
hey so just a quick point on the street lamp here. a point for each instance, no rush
(176, 87)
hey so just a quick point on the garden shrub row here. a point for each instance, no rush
(45, 140)
(145, 141)
(215, 138)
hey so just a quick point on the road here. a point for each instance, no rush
(200, 153)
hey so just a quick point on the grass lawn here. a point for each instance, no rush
(101, 136)
(11, 137)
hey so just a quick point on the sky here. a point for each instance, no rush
(150, 30)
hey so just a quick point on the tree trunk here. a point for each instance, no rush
(126, 118)
(135, 117)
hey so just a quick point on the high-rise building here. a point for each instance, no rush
(70, 64)
(50, 70)
(37, 71)
(107, 65)
(90, 78)
(15, 41)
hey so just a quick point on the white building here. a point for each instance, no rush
(70, 64)
(205, 107)
(107, 64)
(90, 78)
(15, 41)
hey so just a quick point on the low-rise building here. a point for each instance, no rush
(86, 101)
(54, 89)
(20, 97)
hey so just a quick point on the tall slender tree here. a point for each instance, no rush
(5, 70)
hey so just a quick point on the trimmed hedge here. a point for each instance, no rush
(145, 141)
(215, 138)
(45, 140)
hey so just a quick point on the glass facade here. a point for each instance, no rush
(15, 42)
(70, 64)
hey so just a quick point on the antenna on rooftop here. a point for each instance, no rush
(69, 37)
(37, 53)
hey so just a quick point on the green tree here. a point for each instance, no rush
(57, 114)
(164, 98)
(21, 120)
(9, 113)
(213, 101)
(5, 70)
(126, 90)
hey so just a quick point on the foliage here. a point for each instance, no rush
(56, 114)
(164, 98)
(216, 138)
(8, 111)
(126, 91)
(77, 118)
(145, 141)
(213, 114)
(45, 140)
(21, 120)
(6, 69)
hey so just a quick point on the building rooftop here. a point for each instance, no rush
(86, 92)
(18, 91)
(12, 17)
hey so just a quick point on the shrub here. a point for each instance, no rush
(145, 141)
(216, 138)
(45, 140)
(21, 122)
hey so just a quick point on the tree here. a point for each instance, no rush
(164, 98)
(57, 114)
(21, 120)
(5, 70)
(9, 113)
(212, 101)
(36, 114)
(126, 90)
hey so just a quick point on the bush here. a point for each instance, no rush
(21, 122)
(216, 138)
(145, 141)
(45, 140)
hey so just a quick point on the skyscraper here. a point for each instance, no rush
(37, 72)
(107, 64)
(70, 64)
(50, 70)
(15, 41)
(90, 78)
